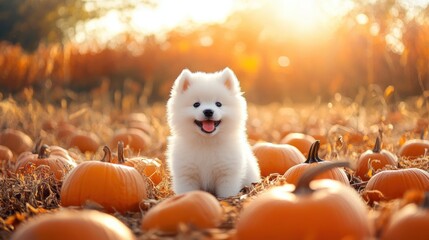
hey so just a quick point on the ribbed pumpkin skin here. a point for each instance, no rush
(114, 186)
(276, 158)
(198, 208)
(294, 173)
(72, 225)
(413, 148)
(376, 158)
(410, 222)
(57, 159)
(333, 211)
(394, 183)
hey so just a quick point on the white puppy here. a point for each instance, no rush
(208, 148)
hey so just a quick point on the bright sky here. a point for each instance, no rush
(306, 15)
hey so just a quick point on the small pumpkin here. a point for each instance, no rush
(71, 225)
(56, 158)
(293, 174)
(288, 212)
(373, 160)
(394, 183)
(85, 141)
(149, 167)
(114, 186)
(198, 208)
(135, 139)
(5, 154)
(16, 140)
(410, 222)
(414, 148)
(299, 140)
(276, 158)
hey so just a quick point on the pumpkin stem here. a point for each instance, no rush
(303, 184)
(44, 152)
(36, 148)
(377, 145)
(107, 154)
(121, 158)
(313, 153)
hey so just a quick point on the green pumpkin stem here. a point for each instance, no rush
(121, 158)
(377, 145)
(107, 154)
(313, 153)
(303, 184)
(44, 152)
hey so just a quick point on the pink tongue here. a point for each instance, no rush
(208, 126)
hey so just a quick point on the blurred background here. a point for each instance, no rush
(281, 50)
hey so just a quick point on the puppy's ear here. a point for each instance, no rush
(230, 80)
(182, 82)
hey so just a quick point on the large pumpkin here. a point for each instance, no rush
(414, 148)
(372, 160)
(114, 186)
(294, 173)
(322, 209)
(197, 208)
(72, 225)
(276, 158)
(56, 158)
(394, 183)
(410, 222)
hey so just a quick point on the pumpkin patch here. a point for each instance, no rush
(75, 186)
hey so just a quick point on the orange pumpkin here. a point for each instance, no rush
(85, 141)
(56, 158)
(5, 154)
(71, 225)
(372, 160)
(294, 173)
(414, 148)
(394, 183)
(198, 208)
(134, 138)
(16, 140)
(410, 222)
(114, 186)
(149, 167)
(286, 212)
(64, 131)
(276, 158)
(299, 140)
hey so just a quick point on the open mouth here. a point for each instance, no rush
(207, 126)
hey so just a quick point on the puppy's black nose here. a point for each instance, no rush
(208, 113)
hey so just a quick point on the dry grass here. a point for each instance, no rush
(22, 197)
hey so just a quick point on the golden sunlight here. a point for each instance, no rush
(159, 19)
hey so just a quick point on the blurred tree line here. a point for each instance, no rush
(387, 47)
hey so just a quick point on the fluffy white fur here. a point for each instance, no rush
(217, 159)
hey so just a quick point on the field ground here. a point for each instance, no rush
(346, 126)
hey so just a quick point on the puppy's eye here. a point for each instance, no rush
(218, 104)
(197, 104)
